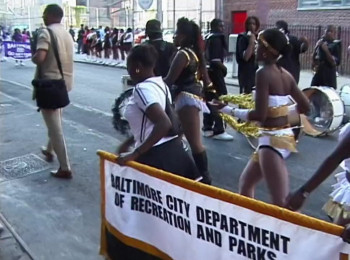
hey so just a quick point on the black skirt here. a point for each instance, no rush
(171, 157)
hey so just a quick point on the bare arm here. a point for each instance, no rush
(329, 56)
(248, 53)
(177, 66)
(305, 44)
(261, 98)
(39, 56)
(203, 71)
(162, 125)
(303, 103)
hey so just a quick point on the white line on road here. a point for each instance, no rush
(68, 121)
(83, 107)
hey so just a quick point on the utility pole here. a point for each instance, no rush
(200, 14)
(160, 11)
(133, 22)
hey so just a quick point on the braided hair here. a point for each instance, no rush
(193, 38)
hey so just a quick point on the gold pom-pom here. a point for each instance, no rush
(249, 129)
(242, 100)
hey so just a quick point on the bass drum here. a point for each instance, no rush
(119, 122)
(345, 97)
(326, 111)
(294, 121)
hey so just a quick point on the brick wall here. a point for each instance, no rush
(269, 11)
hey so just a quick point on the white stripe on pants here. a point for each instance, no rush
(56, 143)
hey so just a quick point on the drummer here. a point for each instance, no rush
(274, 86)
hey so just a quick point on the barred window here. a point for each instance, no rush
(320, 4)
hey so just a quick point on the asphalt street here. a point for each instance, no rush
(59, 219)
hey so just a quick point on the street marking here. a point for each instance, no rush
(83, 107)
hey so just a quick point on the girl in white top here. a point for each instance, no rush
(273, 87)
(150, 125)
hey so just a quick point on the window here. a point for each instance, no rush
(323, 4)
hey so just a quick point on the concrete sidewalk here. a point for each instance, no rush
(305, 75)
(12, 246)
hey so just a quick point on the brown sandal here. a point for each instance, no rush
(48, 156)
(63, 174)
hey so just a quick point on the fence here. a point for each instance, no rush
(313, 34)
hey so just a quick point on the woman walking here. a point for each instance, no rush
(186, 70)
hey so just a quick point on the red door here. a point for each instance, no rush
(238, 19)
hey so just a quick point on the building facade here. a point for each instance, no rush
(302, 12)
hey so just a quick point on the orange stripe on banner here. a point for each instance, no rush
(343, 256)
(136, 243)
(233, 198)
(103, 242)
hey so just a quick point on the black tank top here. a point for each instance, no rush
(188, 75)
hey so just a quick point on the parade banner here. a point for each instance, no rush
(17, 50)
(170, 217)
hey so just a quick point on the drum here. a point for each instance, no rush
(326, 111)
(345, 97)
(127, 82)
(294, 121)
(119, 122)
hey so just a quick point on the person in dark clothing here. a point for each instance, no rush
(215, 49)
(71, 32)
(166, 50)
(326, 58)
(80, 38)
(299, 45)
(245, 55)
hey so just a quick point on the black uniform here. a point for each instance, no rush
(326, 73)
(216, 49)
(290, 61)
(246, 69)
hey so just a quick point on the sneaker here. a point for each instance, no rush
(22, 64)
(17, 64)
(223, 136)
(208, 133)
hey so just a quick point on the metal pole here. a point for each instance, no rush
(160, 11)
(200, 14)
(133, 22)
(88, 11)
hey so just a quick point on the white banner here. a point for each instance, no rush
(187, 225)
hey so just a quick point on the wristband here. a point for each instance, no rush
(227, 110)
(241, 113)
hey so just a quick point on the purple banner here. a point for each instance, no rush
(17, 50)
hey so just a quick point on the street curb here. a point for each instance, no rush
(116, 66)
(19, 240)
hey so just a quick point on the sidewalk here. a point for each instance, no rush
(305, 75)
(12, 246)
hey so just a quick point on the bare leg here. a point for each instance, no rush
(275, 172)
(190, 120)
(249, 178)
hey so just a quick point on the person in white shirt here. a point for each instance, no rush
(156, 139)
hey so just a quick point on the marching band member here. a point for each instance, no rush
(186, 69)
(274, 86)
(338, 206)
(245, 55)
